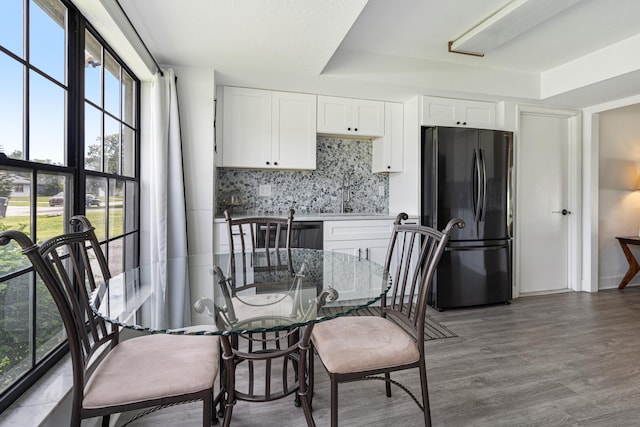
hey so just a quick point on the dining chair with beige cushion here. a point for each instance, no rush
(259, 238)
(357, 347)
(112, 376)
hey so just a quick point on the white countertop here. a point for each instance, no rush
(331, 216)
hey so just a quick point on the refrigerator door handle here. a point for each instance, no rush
(475, 248)
(477, 196)
(483, 185)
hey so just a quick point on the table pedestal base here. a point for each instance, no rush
(296, 352)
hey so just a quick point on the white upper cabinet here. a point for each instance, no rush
(246, 127)
(353, 117)
(458, 112)
(293, 130)
(387, 152)
(262, 129)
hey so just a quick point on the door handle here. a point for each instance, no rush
(563, 212)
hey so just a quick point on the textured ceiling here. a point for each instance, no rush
(396, 49)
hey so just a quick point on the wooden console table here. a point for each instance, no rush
(634, 267)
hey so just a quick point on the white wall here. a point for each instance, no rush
(619, 206)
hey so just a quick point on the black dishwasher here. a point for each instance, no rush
(306, 234)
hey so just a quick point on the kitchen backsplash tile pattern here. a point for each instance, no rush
(308, 191)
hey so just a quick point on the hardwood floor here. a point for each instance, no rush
(563, 359)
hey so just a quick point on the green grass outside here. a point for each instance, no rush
(52, 225)
(44, 200)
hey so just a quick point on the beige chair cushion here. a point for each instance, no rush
(362, 343)
(151, 367)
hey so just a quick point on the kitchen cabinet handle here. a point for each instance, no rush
(366, 254)
(359, 254)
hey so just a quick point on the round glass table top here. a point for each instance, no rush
(239, 293)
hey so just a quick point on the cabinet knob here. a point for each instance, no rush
(355, 129)
(348, 128)
(457, 123)
(389, 167)
(275, 163)
(268, 163)
(464, 123)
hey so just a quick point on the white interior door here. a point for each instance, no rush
(544, 203)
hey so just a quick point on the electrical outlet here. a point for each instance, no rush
(264, 190)
(381, 190)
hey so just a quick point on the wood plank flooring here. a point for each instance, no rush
(569, 359)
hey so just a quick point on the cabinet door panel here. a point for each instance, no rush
(478, 114)
(246, 127)
(388, 151)
(293, 131)
(438, 112)
(375, 250)
(334, 114)
(336, 277)
(346, 281)
(357, 230)
(367, 117)
(458, 112)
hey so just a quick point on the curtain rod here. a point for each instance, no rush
(140, 38)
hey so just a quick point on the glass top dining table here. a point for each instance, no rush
(226, 294)
(263, 297)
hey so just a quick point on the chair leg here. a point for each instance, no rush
(425, 395)
(311, 378)
(208, 414)
(105, 420)
(387, 383)
(334, 402)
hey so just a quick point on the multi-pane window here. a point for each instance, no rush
(68, 145)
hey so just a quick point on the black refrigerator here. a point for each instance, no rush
(467, 173)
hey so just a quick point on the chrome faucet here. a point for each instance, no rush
(346, 193)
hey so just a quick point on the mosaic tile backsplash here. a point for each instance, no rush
(309, 191)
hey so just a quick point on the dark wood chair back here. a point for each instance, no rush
(412, 258)
(71, 266)
(259, 232)
(259, 242)
(63, 262)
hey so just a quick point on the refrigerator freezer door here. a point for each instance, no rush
(471, 276)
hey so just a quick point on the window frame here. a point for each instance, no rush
(74, 166)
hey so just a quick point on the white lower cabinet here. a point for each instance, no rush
(365, 239)
(373, 250)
